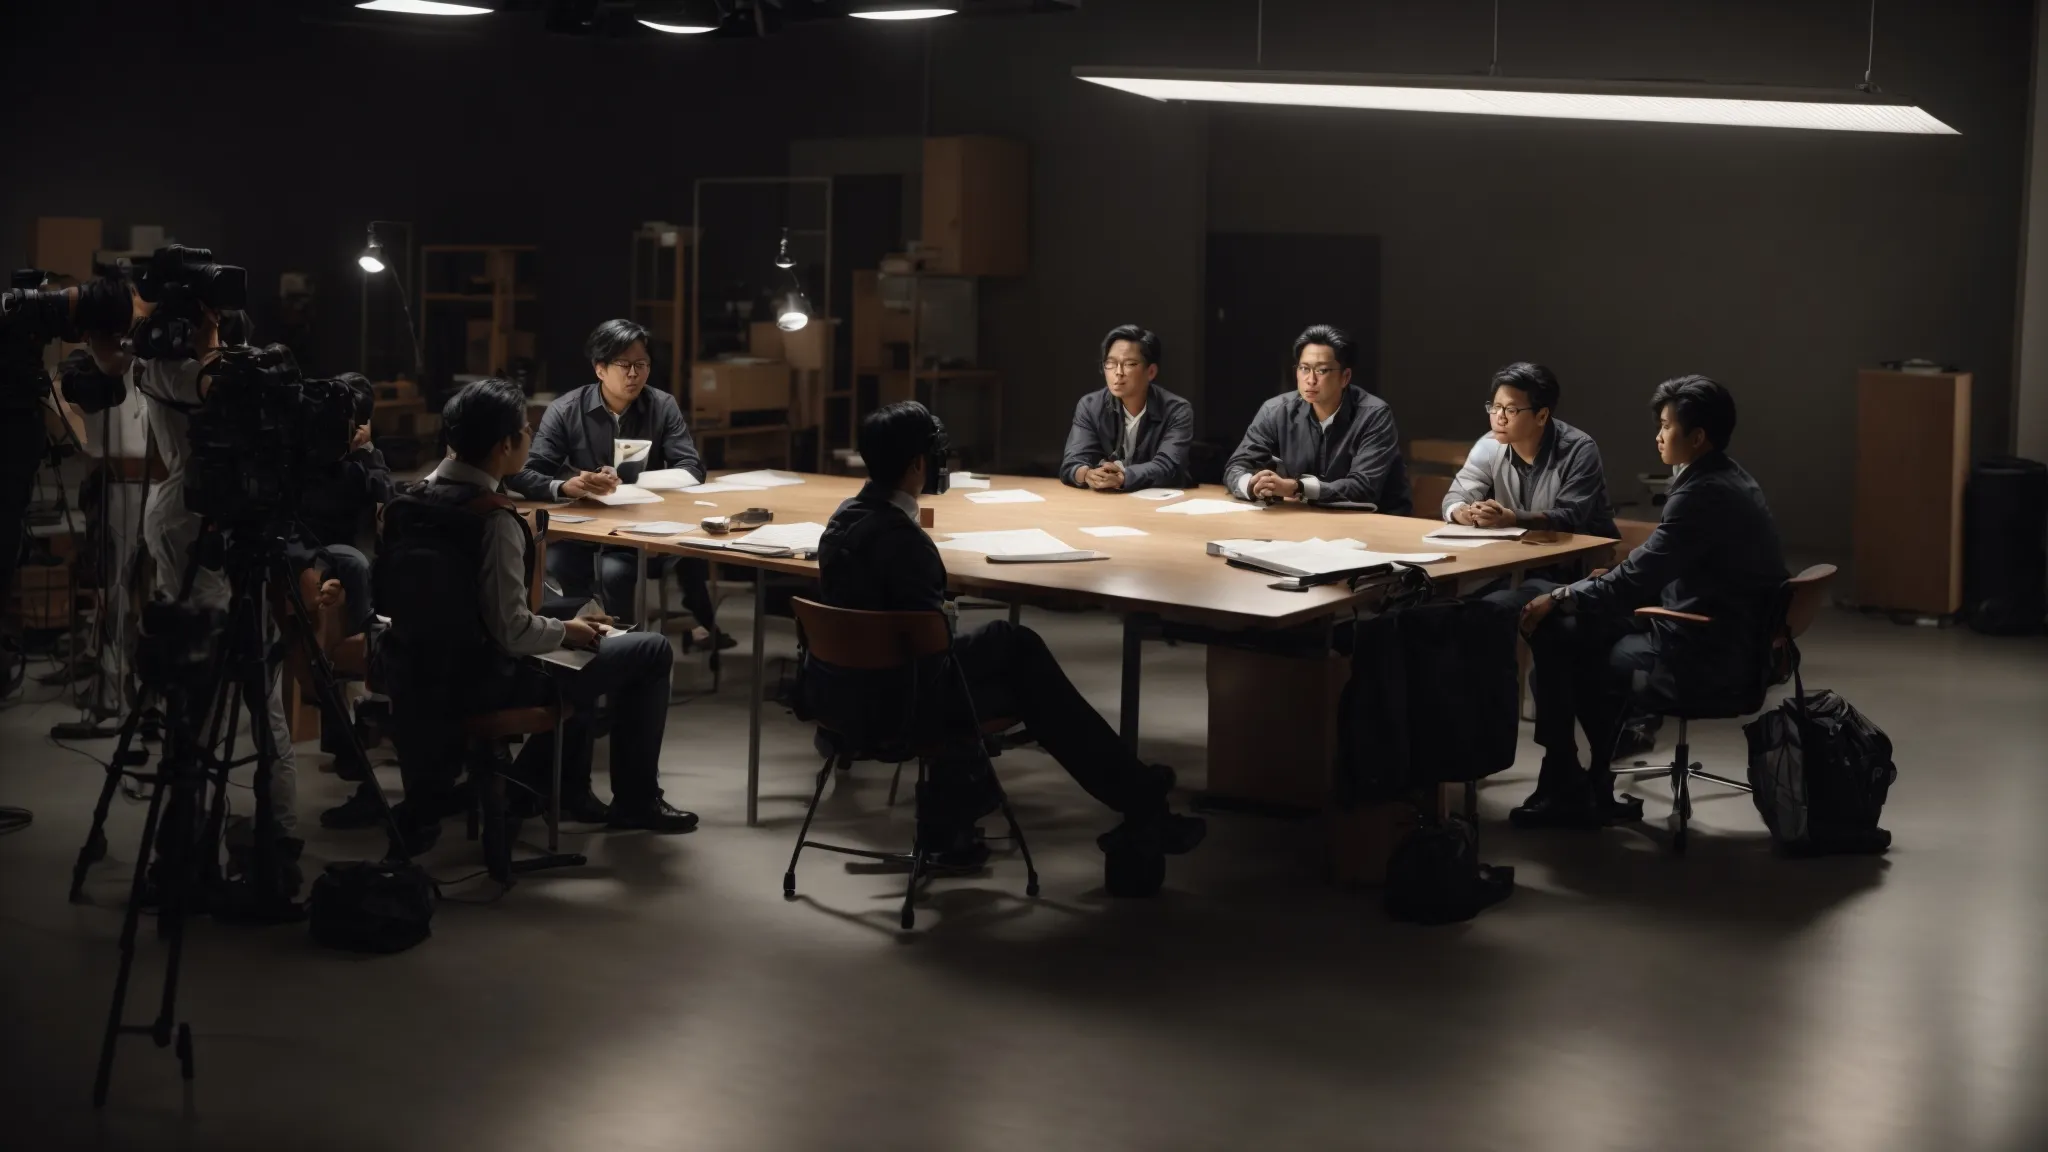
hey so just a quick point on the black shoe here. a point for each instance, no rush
(1581, 811)
(585, 808)
(660, 816)
(954, 849)
(1165, 834)
(959, 801)
(361, 810)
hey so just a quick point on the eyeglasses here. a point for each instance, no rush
(1133, 367)
(1505, 410)
(633, 367)
(1319, 371)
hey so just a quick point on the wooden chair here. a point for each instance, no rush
(881, 642)
(1798, 602)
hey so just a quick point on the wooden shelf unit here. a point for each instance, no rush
(661, 301)
(493, 291)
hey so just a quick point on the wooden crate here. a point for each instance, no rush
(719, 389)
(977, 206)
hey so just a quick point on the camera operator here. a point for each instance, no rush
(117, 436)
(23, 444)
(171, 387)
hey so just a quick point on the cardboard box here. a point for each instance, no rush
(764, 340)
(1272, 734)
(721, 387)
(809, 347)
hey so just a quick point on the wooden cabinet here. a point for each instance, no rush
(977, 198)
(1912, 456)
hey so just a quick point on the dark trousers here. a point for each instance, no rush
(1010, 673)
(352, 568)
(632, 670)
(1584, 667)
(587, 571)
(22, 445)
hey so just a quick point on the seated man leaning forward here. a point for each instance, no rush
(874, 557)
(1130, 434)
(1326, 442)
(1714, 553)
(1531, 471)
(462, 505)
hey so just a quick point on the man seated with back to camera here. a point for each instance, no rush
(1130, 434)
(485, 428)
(1715, 553)
(875, 557)
(334, 513)
(1326, 442)
(572, 457)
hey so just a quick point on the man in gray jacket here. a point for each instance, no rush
(1327, 442)
(1130, 434)
(1532, 470)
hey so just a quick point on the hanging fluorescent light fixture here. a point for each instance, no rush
(424, 8)
(1741, 105)
(900, 12)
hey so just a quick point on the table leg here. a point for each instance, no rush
(1016, 614)
(754, 691)
(1134, 660)
(640, 586)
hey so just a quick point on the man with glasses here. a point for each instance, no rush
(1531, 470)
(572, 457)
(1131, 434)
(1328, 442)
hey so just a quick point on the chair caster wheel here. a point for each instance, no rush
(789, 885)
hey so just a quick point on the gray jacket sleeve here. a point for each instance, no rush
(1082, 451)
(1475, 477)
(501, 590)
(1582, 492)
(1168, 468)
(1379, 449)
(1255, 452)
(547, 461)
(1681, 538)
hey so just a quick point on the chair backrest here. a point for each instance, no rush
(1809, 591)
(870, 641)
(1443, 453)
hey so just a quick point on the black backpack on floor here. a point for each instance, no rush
(358, 906)
(1821, 771)
(1435, 876)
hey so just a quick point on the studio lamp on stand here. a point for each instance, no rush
(792, 307)
(375, 261)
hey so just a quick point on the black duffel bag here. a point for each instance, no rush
(358, 906)
(1435, 877)
(1820, 771)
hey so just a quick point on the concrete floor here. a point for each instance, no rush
(669, 998)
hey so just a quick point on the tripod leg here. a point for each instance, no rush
(95, 847)
(129, 923)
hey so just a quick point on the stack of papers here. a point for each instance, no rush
(666, 479)
(799, 537)
(630, 451)
(1211, 507)
(626, 494)
(722, 486)
(1315, 557)
(1467, 532)
(964, 480)
(765, 478)
(1115, 530)
(654, 528)
(1159, 494)
(1018, 542)
(1006, 496)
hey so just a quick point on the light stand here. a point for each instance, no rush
(376, 259)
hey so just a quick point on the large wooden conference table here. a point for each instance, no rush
(1164, 576)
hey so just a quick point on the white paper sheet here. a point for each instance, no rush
(666, 479)
(1322, 557)
(626, 494)
(655, 528)
(1454, 542)
(630, 451)
(706, 503)
(765, 478)
(1016, 542)
(1007, 496)
(567, 518)
(1212, 507)
(801, 536)
(1159, 494)
(1115, 530)
(1468, 532)
(722, 486)
(957, 480)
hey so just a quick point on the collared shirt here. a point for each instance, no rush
(1153, 445)
(1130, 440)
(1566, 483)
(904, 502)
(501, 586)
(1354, 457)
(573, 439)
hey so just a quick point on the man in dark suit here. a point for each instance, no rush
(1714, 553)
(572, 457)
(1130, 434)
(1326, 442)
(874, 557)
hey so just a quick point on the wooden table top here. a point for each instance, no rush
(1166, 572)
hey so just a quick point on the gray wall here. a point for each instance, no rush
(2030, 392)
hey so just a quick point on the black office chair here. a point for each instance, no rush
(879, 643)
(1797, 602)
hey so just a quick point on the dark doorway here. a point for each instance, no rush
(1263, 289)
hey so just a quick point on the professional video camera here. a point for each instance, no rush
(32, 315)
(176, 282)
(262, 435)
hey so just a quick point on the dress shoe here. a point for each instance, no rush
(585, 808)
(362, 809)
(1581, 811)
(954, 848)
(1165, 833)
(659, 816)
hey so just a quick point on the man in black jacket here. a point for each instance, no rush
(1714, 553)
(1131, 434)
(572, 457)
(874, 557)
(1326, 442)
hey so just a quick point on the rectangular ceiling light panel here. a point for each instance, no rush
(1559, 100)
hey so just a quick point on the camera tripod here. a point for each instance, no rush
(208, 670)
